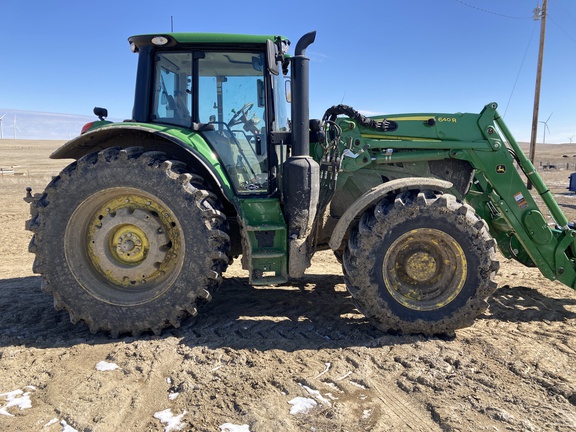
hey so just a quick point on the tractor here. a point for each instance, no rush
(220, 160)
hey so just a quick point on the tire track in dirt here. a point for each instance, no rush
(252, 350)
(245, 357)
(308, 323)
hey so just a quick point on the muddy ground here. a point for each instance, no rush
(255, 354)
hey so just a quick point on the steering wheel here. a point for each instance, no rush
(241, 116)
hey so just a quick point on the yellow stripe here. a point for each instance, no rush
(414, 118)
(391, 137)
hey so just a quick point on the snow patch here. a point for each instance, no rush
(328, 365)
(229, 427)
(357, 384)
(173, 423)
(50, 423)
(301, 405)
(317, 395)
(17, 398)
(66, 427)
(105, 366)
(344, 376)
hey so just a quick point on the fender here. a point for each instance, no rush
(376, 194)
(187, 146)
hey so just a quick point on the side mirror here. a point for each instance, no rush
(101, 113)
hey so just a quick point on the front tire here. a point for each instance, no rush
(420, 263)
(128, 241)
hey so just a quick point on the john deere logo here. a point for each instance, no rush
(500, 169)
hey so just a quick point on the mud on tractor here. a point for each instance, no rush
(221, 160)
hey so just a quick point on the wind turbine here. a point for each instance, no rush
(545, 127)
(15, 126)
(1, 128)
(570, 138)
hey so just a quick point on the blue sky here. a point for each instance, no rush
(378, 56)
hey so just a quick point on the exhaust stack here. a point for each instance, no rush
(301, 183)
(300, 86)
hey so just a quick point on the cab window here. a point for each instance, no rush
(173, 89)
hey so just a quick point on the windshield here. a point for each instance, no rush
(231, 91)
(231, 96)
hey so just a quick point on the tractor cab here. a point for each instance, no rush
(234, 96)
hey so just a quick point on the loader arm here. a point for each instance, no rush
(478, 155)
(519, 226)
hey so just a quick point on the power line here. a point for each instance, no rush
(492, 12)
(519, 70)
(565, 12)
(564, 31)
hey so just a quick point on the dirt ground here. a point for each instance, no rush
(254, 357)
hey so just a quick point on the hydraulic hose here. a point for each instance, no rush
(383, 125)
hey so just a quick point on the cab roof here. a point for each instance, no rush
(169, 40)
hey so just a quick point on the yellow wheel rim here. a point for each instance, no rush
(134, 241)
(424, 269)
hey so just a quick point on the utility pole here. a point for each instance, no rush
(539, 13)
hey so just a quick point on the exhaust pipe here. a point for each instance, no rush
(301, 183)
(301, 96)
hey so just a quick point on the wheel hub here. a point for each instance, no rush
(133, 241)
(421, 266)
(424, 269)
(130, 244)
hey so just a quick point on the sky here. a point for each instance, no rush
(378, 56)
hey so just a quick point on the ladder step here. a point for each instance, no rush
(268, 254)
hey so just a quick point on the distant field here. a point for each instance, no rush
(30, 157)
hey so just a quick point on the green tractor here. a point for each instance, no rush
(221, 160)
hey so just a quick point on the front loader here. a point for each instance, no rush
(220, 160)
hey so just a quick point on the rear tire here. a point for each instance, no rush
(420, 263)
(128, 241)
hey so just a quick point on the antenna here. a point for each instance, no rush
(171, 24)
(1, 128)
(545, 127)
